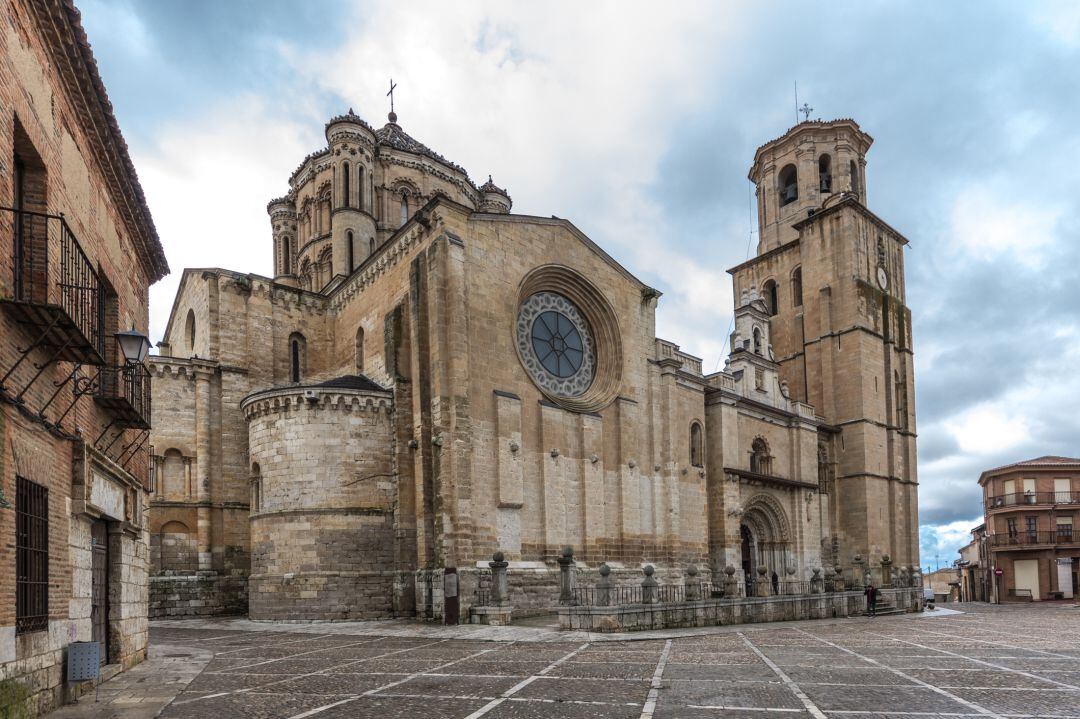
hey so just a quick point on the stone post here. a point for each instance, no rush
(789, 585)
(566, 576)
(731, 584)
(761, 584)
(857, 569)
(499, 594)
(886, 571)
(691, 588)
(603, 587)
(816, 583)
(838, 580)
(648, 585)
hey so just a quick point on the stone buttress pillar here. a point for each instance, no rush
(203, 460)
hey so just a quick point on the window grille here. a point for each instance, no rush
(32, 556)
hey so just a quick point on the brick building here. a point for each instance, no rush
(1031, 507)
(428, 378)
(79, 252)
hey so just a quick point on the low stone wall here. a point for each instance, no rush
(715, 612)
(201, 594)
(532, 587)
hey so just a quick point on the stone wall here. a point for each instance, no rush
(198, 594)
(322, 532)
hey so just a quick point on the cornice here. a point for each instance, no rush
(65, 40)
(284, 399)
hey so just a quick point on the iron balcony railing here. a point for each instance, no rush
(1020, 499)
(1025, 538)
(63, 302)
(125, 391)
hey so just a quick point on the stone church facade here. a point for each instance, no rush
(428, 379)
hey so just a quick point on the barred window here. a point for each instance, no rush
(32, 556)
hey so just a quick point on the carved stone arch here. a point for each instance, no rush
(765, 510)
(760, 455)
(404, 184)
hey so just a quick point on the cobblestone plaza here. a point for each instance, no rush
(1011, 661)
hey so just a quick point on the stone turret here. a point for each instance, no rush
(494, 199)
(352, 223)
(282, 213)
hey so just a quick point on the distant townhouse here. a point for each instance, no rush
(1031, 508)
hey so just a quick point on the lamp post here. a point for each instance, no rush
(134, 345)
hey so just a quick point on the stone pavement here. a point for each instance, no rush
(1000, 662)
(142, 692)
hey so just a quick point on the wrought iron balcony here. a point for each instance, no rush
(56, 290)
(125, 391)
(1024, 539)
(1027, 499)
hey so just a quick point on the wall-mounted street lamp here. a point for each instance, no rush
(134, 345)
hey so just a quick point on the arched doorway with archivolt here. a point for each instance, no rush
(765, 540)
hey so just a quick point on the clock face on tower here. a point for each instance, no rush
(882, 278)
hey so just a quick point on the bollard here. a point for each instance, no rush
(731, 584)
(691, 588)
(761, 584)
(566, 576)
(648, 585)
(499, 593)
(603, 587)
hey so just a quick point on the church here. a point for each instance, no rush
(429, 378)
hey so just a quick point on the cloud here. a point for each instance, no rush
(208, 185)
(639, 126)
(939, 543)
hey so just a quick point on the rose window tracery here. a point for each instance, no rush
(555, 344)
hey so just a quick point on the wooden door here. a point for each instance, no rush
(99, 593)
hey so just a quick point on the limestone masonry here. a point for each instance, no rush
(428, 379)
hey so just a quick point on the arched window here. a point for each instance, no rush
(360, 187)
(345, 175)
(404, 208)
(305, 274)
(760, 460)
(900, 396)
(796, 287)
(824, 170)
(349, 245)
(297, 356)
(256, 488)
(788, 185)
(189, 330)
(768, 291)
(697, 445)
(286, 256)
(856, 185)
(359, 350)
(757, 340)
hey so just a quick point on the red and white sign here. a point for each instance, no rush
(998, 572)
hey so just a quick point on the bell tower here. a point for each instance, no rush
(798, 172)
(831, 273)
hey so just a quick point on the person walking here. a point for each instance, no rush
(871, 599)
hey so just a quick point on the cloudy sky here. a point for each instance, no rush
(639, 126)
